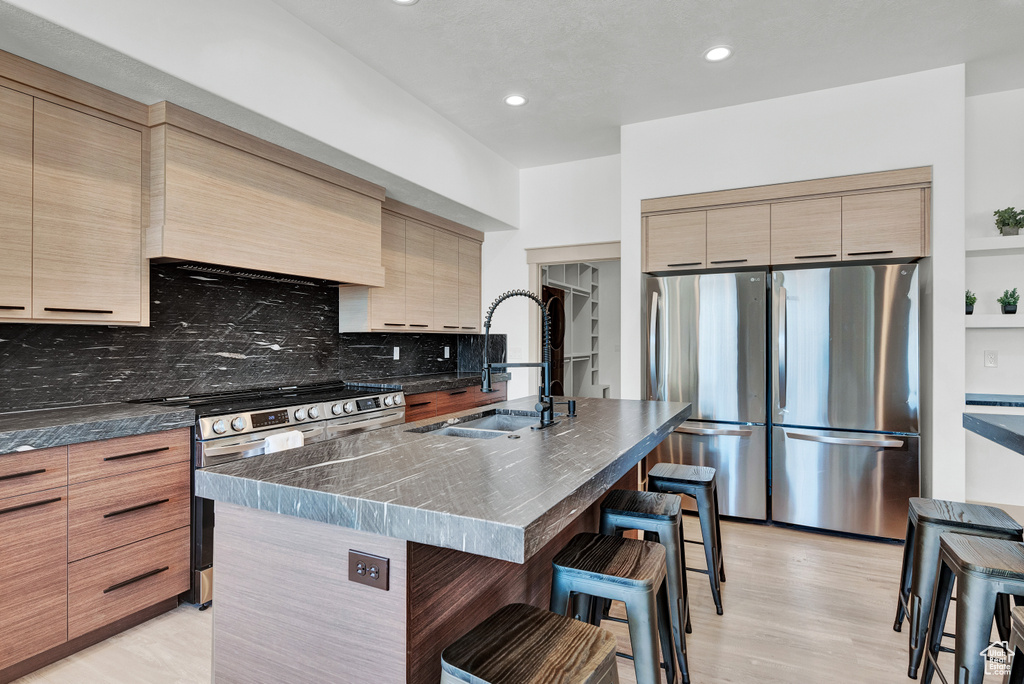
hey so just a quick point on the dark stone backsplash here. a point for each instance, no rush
(210, 334)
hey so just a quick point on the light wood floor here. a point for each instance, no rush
(799, 608)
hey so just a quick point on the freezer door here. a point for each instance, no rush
(704, 342)
(737, 452)
(845, 349)
(844, 481)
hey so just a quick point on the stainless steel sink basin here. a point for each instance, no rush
(468, 432)
(501, 422)
(488, 426)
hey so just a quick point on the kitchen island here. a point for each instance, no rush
(456, 526)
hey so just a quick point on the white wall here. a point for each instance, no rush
(561, 204)
(609, 334)
(913, 120)
(255, 54)
(995, 180)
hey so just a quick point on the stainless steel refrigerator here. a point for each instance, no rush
(841, 430)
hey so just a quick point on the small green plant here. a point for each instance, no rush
(1009, 218)
(1009, 298)
(971, 298)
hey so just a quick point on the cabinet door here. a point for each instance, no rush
(739, 236)
(419, 275)
(387, 304)
(15, 204)
(33, 574)
(87, 225)
(807, 231)
(883, 225)
(469, 285)
(446, 281)
(677, 242)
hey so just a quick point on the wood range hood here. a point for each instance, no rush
(222, 197)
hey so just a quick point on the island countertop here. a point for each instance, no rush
(1007, 430)
(501, 498)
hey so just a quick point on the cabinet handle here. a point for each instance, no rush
(135, 579)
(422, 403)
(99, 311)
(136, 508)
(729, 261)
(691, 263)
(136, 453)
(452, 327)
(24, 474)
(395, 324)
(452, 394)
(877, 251)
(419, 325)
(815, 256)
(29, 505)
(12, 308)
(469, 327)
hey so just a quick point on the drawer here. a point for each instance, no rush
(24, 472)
(108, 457)
(115, 584)
(463, 398)
(420, 406)
(104, 514)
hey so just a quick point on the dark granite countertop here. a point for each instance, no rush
(1005, 430)
(503, 498)
(995, 400)
(418, 384)
(56, 427)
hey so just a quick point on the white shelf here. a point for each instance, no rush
(995, 320)
(999, 245)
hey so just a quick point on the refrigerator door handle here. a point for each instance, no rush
(716, 432)
(845, 441)
(652, 348)
(783, 347)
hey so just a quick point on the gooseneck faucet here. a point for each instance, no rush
(546, 403)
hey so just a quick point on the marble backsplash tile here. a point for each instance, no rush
(210, 334)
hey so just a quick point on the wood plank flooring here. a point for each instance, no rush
(799, 608)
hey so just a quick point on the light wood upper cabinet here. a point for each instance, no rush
(387, 304)
(739, 236)
(87, 217)
(446, 281)
(469, 285)
(419, 275)
(676, 242)
(806, 231)
(15, 204)
(884, 225)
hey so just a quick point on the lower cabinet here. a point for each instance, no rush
(431, 404)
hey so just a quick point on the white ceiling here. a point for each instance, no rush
(590, 66)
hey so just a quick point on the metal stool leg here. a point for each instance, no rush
(642, 609)
(718, 537)
(937, 618)
(1003, 616)
(559, 594)
(705, 511)
(675, 583)
(921, 589)
(975, 607)
(908, 560)
(672, 660)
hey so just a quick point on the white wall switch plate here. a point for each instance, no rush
(396, 353)
(991, 359)
(446, 352)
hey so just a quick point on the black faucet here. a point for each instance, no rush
(546, 403)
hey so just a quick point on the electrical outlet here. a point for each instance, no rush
(991, 359)
(446, 352)
(365, 568)
(396, 353)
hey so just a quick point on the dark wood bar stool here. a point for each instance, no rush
(927, 519)
(657, 515)
(596, 566)
(985, 570)
(1016, 674)
(697, 482)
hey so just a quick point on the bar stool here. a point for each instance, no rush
(927, 519)
(628, 570)
(657, 515)
(1016, 674)
(521, 644)
(983, 568)
(697, 482)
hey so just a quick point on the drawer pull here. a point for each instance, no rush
(24, 474)
(452, 394)
(418, 325)
(30, 505)
(451, 327)
(469, 327)
(877, 251)
(729, 261)
(133, 580)
(136, 508)
(422, 403)
(395, 324)
(59, 310)
(136, 453)
(12, 308)
(815, 256)
(690, 263)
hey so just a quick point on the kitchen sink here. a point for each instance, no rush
(488, 426)
(501, 422)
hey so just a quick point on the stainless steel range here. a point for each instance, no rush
(235, 425)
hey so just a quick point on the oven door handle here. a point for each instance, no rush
(252, 446)
(391, 418)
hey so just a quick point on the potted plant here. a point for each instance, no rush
(971, 299)
(1009, 220)
(1009, 301)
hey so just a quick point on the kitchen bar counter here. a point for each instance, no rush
(1007, 430)
(45, 428)
(996, 400)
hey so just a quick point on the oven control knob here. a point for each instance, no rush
(300, 414)
(220, 427)
(389, 400)
(238, 424)
(336, 409)
(398, 400)
(314, 411)
(349, 407)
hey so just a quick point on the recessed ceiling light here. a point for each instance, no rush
(717, 53)
(405, 2)
(515, 100)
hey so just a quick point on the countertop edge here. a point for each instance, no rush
(991, 426)
(985, 399)
(59, 434)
